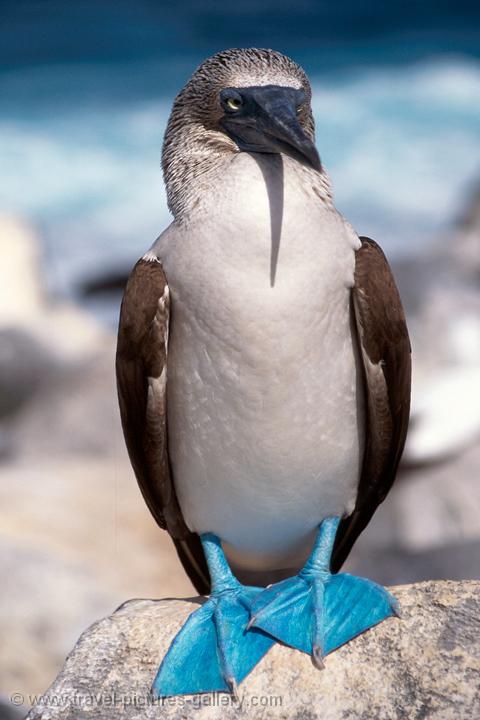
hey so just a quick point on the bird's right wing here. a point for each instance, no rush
(141, 367)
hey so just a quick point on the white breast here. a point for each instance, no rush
(265, 408)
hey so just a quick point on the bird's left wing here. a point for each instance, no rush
(141, 367)
(385, 353)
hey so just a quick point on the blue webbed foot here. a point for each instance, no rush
(214, 651)
(316, 611)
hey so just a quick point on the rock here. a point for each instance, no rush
(70, 333)
(24, 365)
(73, 412)
(440, 289)
(21, 292)
(12, 708)
(110, 282)
(41, 341)
(427, 528)
(466, 245)
(426, 664)
(76, 538)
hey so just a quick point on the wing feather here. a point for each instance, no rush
(385, 351)
(141, 367)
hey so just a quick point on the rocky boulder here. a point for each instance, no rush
(426, 664)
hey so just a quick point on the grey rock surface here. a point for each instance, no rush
(424, 665)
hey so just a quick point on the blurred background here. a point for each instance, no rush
(85, 91)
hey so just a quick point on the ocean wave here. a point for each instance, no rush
(402, 146)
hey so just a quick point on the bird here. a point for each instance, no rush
(263, 372)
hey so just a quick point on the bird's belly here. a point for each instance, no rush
(265, 431)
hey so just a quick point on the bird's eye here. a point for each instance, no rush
(234, 103)
(231, 100)
(299, 109)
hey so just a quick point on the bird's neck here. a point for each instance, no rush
(197, 170)
(191, 158)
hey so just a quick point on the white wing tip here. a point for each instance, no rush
(150, 256)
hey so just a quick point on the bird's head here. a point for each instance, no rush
(255, 101)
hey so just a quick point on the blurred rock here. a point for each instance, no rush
(466, 247)
(428, 527)
(74, 411)
(11, 711)
(24, 362)
(21, 288)
(69, 333)
(444, 323)
(75, 534)
(110, 282)
(440, 505)
(393, 563)
(42, 344)
(448, 393)
(426, 663)
(75, 539)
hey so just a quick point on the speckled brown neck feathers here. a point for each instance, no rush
(195, 144)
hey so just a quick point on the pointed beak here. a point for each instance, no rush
(265, 119)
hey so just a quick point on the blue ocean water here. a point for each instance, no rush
(86, 87)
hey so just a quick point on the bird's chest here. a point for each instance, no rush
(260, 292)
(262, 374)
(270, 369)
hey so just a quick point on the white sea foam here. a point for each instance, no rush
(401, 144)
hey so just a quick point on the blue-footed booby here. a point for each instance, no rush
(263, 370)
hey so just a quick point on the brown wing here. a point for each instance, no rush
(386, 355)
(141, 366)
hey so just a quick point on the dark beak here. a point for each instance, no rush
(266, 121)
